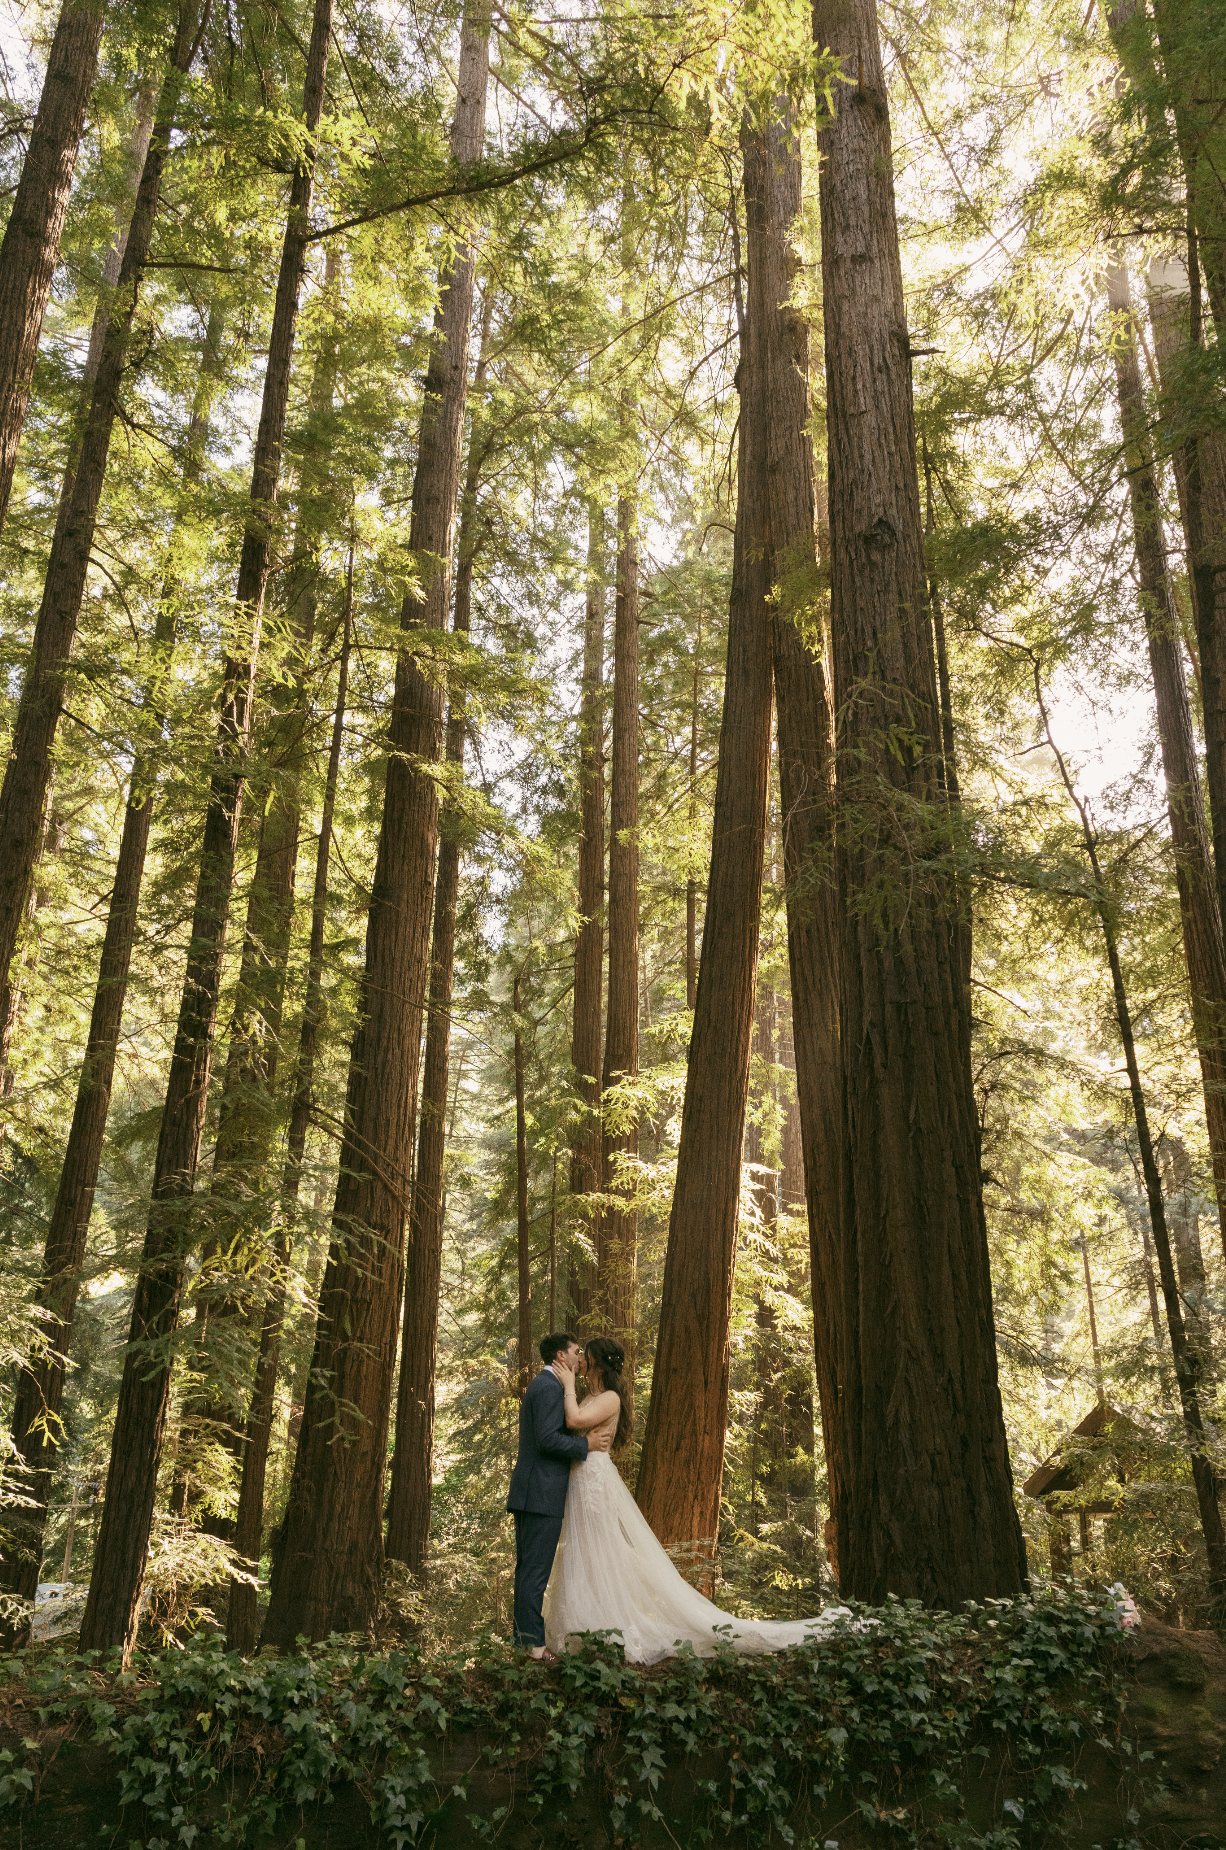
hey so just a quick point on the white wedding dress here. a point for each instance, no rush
(610, 1574)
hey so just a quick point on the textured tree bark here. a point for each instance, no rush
(112, 1606)
(1184, 30)
(31, 246)
(806, 757)
(1199, 457)
(26, 963)
(683, 1447)
(691, 885)
(328, 1554)
(616, 1307)
(1194, 870)
(926, 1508)
(28, 769)
(408, 1515)
(770, 1447)
(1181, 1197)
(40, 1388)
(792, 1200)
(586, 1147)
(243, 1611)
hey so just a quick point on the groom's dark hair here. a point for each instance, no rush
(554, 1345)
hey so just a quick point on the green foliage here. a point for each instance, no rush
(884, 1723)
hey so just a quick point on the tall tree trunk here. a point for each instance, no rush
(1188, 1367)
(1185, 29)
(328, 1558)
(27, 963)
(112, 1606)
(926, 1508)
(586, 1146)
(242, 1614)
(1198, 453)
(1181, 1200)
(523, 1248)
(691, 885)
(247, 1108)
(1196, 445)
(683, 1446)
(40, 1388)
(138, 151)
(617, 1252)
(408, 1516)
(792, 1200)
(770, 1416)
(42, 696)
(806, 759)
(112, 263)
(249, 1521)
(1194, 871)
(31, 246)
(245, 1128)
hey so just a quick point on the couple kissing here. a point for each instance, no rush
(586, 1559)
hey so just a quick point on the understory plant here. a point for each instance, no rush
(877, 1728)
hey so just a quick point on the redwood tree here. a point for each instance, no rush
(927, 1506)
(247, 1107)
(805, 748)
(40, 1385)
(328, 1558)
(691, 885)
(683, 1446)
(31, 246)
(28, 769)
(408, 1513)
(242, 1613)
(1199, 456)
(113, 1602)
(1194, 871)
(1188, 33)
(586, 1144)
(617, 1255)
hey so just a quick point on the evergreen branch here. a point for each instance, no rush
(479, 181)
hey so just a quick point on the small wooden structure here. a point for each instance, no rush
(1105, 1435)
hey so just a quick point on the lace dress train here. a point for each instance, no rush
(611, 1574)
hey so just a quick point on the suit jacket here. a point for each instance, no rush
(546, 1449)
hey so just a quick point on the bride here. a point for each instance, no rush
(610, 1573)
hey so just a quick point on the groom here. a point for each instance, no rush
(537, 1497)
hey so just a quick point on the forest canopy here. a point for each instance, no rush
(613, 634)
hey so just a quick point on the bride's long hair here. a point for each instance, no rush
(610, 1358)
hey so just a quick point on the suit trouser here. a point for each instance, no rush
(536, 1543)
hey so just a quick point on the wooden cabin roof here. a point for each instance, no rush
(1060, 1472)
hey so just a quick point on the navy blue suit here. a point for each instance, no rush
(537, 1497)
